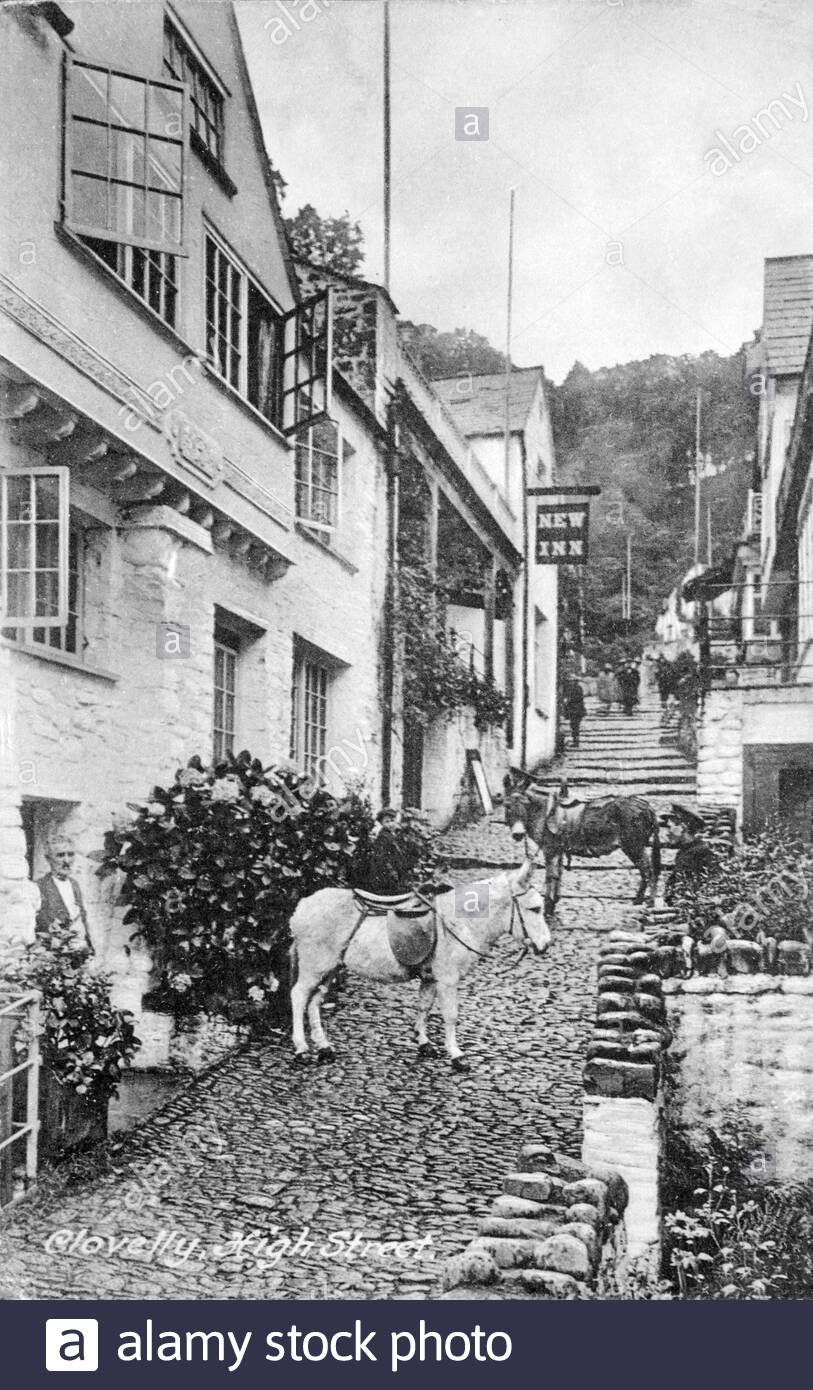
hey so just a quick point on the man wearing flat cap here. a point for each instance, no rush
(694, 858)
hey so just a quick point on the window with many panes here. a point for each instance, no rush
(225, 694)
(319, 455)
(69, 637)
(309, 711)
(124, 177)
(34, 533)
(243, 331)
(206, 99)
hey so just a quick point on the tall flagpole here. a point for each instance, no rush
(387, 148)
(507, 416)
(697, 480)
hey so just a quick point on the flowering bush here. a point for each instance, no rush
(214, 866)
(86, 1043)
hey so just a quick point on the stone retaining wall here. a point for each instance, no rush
(623, 1113)
(744, 1054)
(565, 1228)
(554, 1233)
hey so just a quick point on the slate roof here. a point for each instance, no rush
(787, 313)
(481, 409)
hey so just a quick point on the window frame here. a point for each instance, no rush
(195, 57)
(301, 346)
(326, 528)
(246, 282)
(28, 636)
(223, 737)
(69, 118)
(38, 620)
(302, 751)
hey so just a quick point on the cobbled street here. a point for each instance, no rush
(374, 1148)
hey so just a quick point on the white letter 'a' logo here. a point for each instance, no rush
(71, 1344)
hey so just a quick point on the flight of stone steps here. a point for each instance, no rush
(625, 755)
(618, 755)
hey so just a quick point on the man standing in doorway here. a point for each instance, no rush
(60, 894)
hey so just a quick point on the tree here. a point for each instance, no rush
(444, 354)
(335, 243)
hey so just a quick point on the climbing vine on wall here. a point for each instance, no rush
(437, 680)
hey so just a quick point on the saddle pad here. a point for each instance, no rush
(383, 902)
(412, 939)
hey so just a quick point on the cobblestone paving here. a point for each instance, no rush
(373, 1148)
(376, 1145)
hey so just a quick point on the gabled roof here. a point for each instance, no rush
(478, 403)
(787, 312)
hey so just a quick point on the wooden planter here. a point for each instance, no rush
(68, 1121)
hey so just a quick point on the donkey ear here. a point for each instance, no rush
(525, 871)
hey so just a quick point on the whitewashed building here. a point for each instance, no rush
(190, 565)
(755, 744)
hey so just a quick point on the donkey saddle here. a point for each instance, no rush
(411, 926)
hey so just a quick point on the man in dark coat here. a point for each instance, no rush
(60, 894)
(387, 871)
(664, 679)
(574, 707)
(694, 859)
(628, 679)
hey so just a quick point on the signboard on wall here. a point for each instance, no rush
(562, 533)
(561, 525)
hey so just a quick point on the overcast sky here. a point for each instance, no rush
(603, 116)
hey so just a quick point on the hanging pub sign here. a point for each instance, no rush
(560, 534)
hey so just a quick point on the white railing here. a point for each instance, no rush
(24, 1008)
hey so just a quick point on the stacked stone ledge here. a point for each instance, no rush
(677, 955)
(547, 1236)
(630, 1031)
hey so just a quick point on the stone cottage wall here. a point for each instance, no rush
(16, 896)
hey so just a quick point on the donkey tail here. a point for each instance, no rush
(293, 963)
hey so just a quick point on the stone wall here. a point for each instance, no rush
(570, 1229)
(447, 782)
(719, 750)
(623, 1112)
(554, 1233)
(743, 1053)
(17, 896)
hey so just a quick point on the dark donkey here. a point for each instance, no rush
(564, 827)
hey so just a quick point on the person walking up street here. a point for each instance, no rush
(574, 707)
(664, 679)
(606, 689)
(628, 686)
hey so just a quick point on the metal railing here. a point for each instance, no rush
(19, 1110)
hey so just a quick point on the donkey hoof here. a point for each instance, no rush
(326, 1054)
(426, 1050)
(460, 1064)
(302, 1059)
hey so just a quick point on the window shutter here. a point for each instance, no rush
(126, 142)
(307, 362)
(34, 531)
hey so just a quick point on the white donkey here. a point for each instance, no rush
(335, 926)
